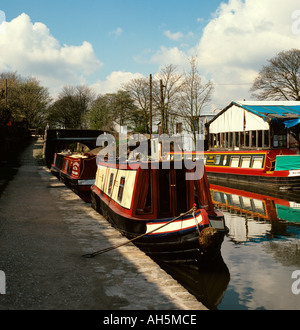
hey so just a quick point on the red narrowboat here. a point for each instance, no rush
(77, 171)
(257, 143)
(167, 216)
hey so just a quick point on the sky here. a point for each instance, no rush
(104, 44)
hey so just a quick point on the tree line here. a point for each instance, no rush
(175, 96)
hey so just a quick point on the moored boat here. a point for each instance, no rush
(256, 142)
(77, 171)
(167, 216)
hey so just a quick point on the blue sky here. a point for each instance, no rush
(105, 43)
(119, 30)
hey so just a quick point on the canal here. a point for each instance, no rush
(258, 257)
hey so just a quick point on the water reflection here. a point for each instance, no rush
(259, 254)
(262, 247)
(207, 279)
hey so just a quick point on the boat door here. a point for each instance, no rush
(172, 192)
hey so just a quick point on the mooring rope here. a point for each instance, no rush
(91, 255)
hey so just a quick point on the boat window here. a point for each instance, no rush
(218, 159)
(257, 162)
(111, 180)
(121, 189)
(246, 161)
(234, 162)
(66, 165)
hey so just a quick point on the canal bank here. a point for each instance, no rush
(44, 231)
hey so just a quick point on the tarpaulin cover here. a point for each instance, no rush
(287, 163)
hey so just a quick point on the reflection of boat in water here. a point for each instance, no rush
(207, 279)
(257, 205)
(255, 217)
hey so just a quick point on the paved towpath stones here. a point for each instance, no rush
(44, 231)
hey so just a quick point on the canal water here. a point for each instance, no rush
(259, 255)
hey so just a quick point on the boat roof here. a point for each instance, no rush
(273, 109)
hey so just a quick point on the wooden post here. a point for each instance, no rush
(150, 106)
(162, 106)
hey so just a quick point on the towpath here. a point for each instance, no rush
(45, 229)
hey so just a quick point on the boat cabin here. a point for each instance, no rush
(152, 192)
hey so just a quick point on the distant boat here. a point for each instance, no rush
(167, 216)
(256, 142)
(77, 171)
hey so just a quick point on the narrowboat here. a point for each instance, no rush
(77, 171)
(257, 143)
(168, 217)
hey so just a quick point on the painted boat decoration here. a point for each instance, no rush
(77, 171)
(169, 217)
(256, 142)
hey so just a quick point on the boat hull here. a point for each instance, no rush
(262, 181)
(170, 243)
(259, 168)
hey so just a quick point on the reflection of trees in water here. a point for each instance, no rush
(287, 253)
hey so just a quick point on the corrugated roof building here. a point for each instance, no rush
(256, 124)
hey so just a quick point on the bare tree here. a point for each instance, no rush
(280, 79)
(139, 90)
(194, 97)
(166, 92)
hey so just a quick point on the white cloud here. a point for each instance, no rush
(31, 50)
(114, 82)
(173, 36)
(240, 39)
(165, 56)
